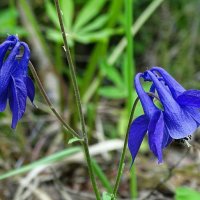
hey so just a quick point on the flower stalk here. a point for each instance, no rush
(121, 162)
(78, 101)
(41, 88)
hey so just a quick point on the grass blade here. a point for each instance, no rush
(102, 177)
(44, 161)
(90, 10)
(135, 28)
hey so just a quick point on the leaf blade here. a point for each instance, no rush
(67, 8)
(89, 11)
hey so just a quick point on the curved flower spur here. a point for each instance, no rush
(15, 85)
(152, 122)
(187, 99)
(180, 116)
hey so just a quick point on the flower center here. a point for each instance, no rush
(184, 140)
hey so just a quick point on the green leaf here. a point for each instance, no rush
(51, 12)
(106, 196)
(95, 36)
(89, 11)
(8, 20)
(112, 74)
(44, 161)
(54, 35)
(74, 139)
(67, 7)
(113, 92)
(8, 17)
(184, 193)
(95, 24)
(12, 31)
(101, 175)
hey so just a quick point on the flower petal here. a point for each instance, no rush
(194, 113)
(146, 101)
(30, 88)
(189, 98)
(155, 133)
(17, 99)
(25, 58)
(175, 87)
(167, 139)
(3, 100)
(137, 132)
(167, 100)
(8, 66)
(3, 49)
(180, 123)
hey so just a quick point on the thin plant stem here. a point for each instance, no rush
(129, 56)
(146, 14)
(71, 67)
(130, 72)
(41, 88)
(78, 101)
(121, 163)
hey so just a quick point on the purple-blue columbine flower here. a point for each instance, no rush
(180, 121)
(189, 99)
(151, 122)
(15, 85)
(180, 116)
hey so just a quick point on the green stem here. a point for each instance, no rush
(37, 79)
(146, 14)
(71, 67)
(130, 71)
(90, 170)
(129, 52)
(78, 101)
(121, 163)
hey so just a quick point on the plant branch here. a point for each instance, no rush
(37, 79)
(71, 67)
(78, 101)
(121, 163)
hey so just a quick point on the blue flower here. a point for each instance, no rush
(178, 118)
(15, 85)
(186, 98)
(151, 122)
(180, 121)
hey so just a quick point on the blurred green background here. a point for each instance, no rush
(165, 33)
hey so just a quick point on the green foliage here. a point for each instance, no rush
(118, 89)
(8, 20)
(106, 196)
(86, 27)
(101, 175)
(88, 12)
(74, 139)
(44, 161)
(184, 193)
